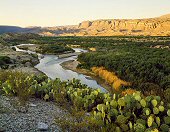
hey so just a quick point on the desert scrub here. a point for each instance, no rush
(34, 55)
(17, 83)
(107, 111)
(111, 112)
(54, 49)
(76, 121)
(4, 62)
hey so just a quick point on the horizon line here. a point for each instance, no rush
(33, 26)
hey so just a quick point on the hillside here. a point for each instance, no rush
(159, 26)
(165, 16)
(6, 29)
(153, 27)
(16, 29)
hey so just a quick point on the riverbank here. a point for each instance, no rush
(50, 63)
(72, 65)
(36, 48)
(20, 61)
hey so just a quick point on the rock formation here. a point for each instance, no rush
(153, 26)
(159, 26)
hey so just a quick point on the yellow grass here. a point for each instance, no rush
(110, 77)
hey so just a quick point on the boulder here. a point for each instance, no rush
(42, 126)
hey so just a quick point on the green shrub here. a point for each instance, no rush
(17, 83)
(4, 62)
(108, 112)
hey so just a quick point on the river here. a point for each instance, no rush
(50, 65)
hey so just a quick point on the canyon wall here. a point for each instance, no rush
(159, 26)
(152, 27)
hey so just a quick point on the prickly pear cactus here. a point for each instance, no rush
(155, 130)
(141, 121)
(101, 107)
(137, 96)
(147, 111)
(155, 110)
(143, 103)
(46, 97)
(164, 128)
(113, 103)
(118, 129)
(158, 121)
(121, 119)
(139, 127)
(154, 102)
(168, 112)
(124, 127)
(130, 125)
(121, 102)
(161, 108)
(150, 121)
(167, 120)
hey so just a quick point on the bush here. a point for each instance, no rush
(17, 83)
(4, 60)
(108, 111)
(54, 49)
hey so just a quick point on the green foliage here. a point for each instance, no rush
(139, 127)
(147, 111)
(4, 61)
(147, 68)
(150, 121)
(155, 110)
(17, 38)
(121, 102)
(158, 121)
(167, 94)
(168, 112)
(119, 113)
(129, 111)
(164, 128)
(167, 120)
(161, 108)
(154, 103)
(54, 49)
(143, 103)
(17, 83)
(114, 104)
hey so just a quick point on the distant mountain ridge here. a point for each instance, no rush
(6, 29)
(159, 26)
(16, 29)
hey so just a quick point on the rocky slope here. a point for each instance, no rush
(20, 61)
(40, 116)
(153, 26)
(159, 26)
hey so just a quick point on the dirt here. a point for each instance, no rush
(20, 61)
(39, 111)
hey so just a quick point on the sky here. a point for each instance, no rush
(71, 12)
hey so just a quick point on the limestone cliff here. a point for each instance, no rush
(153, 26)
(159, 26)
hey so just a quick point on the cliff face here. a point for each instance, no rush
(159, 26)
(155, 27)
